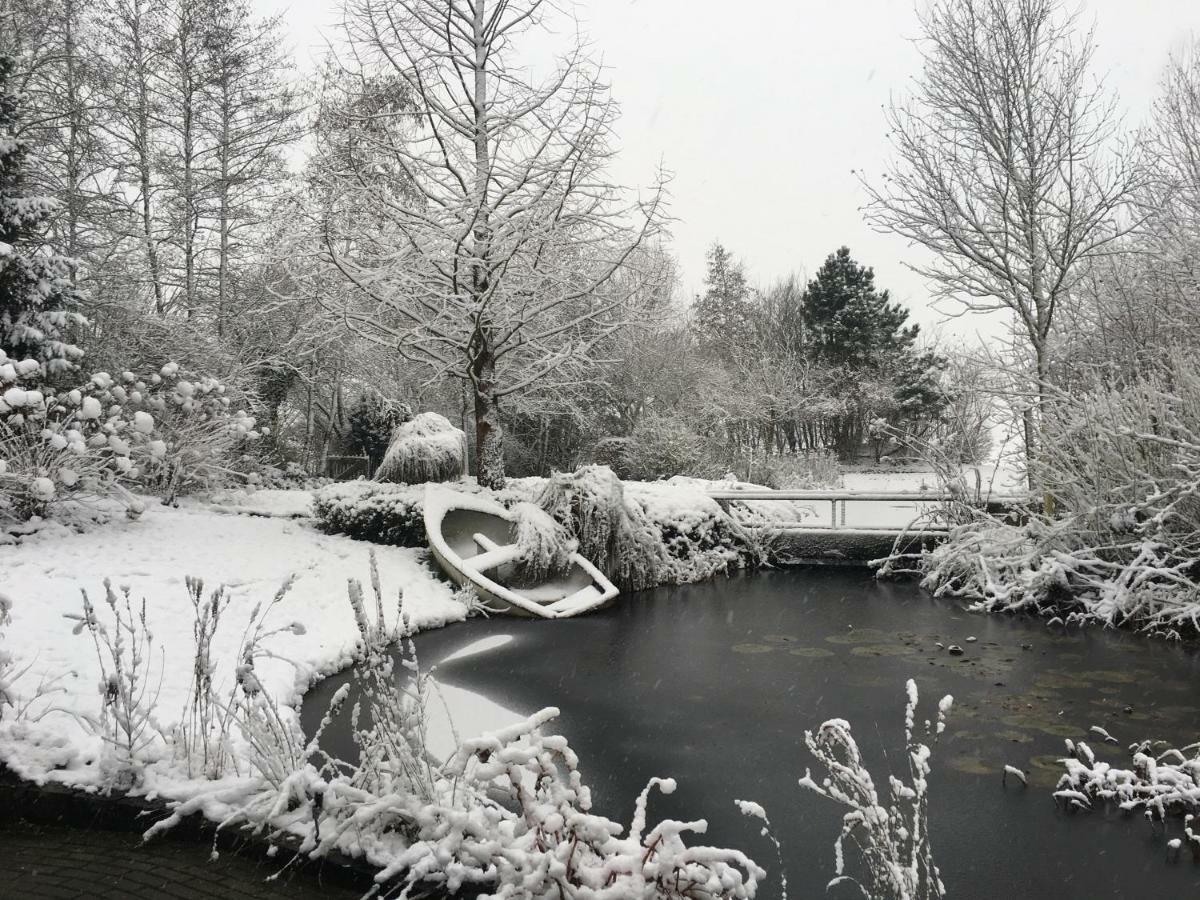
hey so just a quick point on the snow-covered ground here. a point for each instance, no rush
(251, 554)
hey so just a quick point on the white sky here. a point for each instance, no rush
(762, 108)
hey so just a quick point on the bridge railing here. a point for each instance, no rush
(839, 499)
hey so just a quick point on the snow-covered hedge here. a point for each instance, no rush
(425, 448)
(163, 432)
(368, 511)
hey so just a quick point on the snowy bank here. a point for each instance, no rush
(251, 554)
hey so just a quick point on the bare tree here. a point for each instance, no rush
(1003, 166)
(492, 256)
(251, 119)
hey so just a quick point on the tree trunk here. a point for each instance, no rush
(489, 433)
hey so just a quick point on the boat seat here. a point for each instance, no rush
(584, 598)
(493, 556)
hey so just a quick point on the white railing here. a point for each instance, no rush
(837, 514)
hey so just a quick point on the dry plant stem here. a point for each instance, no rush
(893, 840)
(124, 652)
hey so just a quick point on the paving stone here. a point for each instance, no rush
(40, 861)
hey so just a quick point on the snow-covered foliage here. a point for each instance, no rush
(425, 448)
(1162, 780)
(1118, 535)
(382, 513)
(893, 840)
(640, 534)
(163, 432)
(546, 547)
(615, 535)
(37, 298)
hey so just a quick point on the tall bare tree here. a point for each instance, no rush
(1005, 166)
(252, 119)
(492, 255)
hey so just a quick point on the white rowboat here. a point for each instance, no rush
(473, 540)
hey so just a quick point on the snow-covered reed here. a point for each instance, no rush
(893, 840)
(425, 448)
(7, 662)
(1161, 781)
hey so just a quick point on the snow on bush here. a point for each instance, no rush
(425, 448)
(1160, 783)
(893, 840)
(546, 547)
(1117, 538)
(382, 513)
(639, 534)
(615, 535)
(100, 439)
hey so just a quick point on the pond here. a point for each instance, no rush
(715, 683)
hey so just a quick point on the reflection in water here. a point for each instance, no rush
(716, 683)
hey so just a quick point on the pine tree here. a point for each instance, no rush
(36, 296)
(848, 322)
(724, 314)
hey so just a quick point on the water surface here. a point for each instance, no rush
(715, 683)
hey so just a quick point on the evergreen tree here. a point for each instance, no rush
(848, 322)
(724, 314)
(36, 296)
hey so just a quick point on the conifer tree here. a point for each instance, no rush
(849, 322)
(36, 297)
(724, 314)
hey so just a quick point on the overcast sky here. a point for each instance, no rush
(762, 108)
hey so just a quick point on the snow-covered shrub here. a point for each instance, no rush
(382, 513)
(614, 453)
(803, 471)
(700, 538)
(662, 446)
(546, 547)
(373, 420)
(425, 448)
(1160, 783)
(614, 535)
(109, 435)
(125, 649)
(1116, 538)
(893, 840)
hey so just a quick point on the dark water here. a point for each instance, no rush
(714, 684)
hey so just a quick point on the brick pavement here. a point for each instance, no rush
(53, 861)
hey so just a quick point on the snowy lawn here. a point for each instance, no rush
(251, 554)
